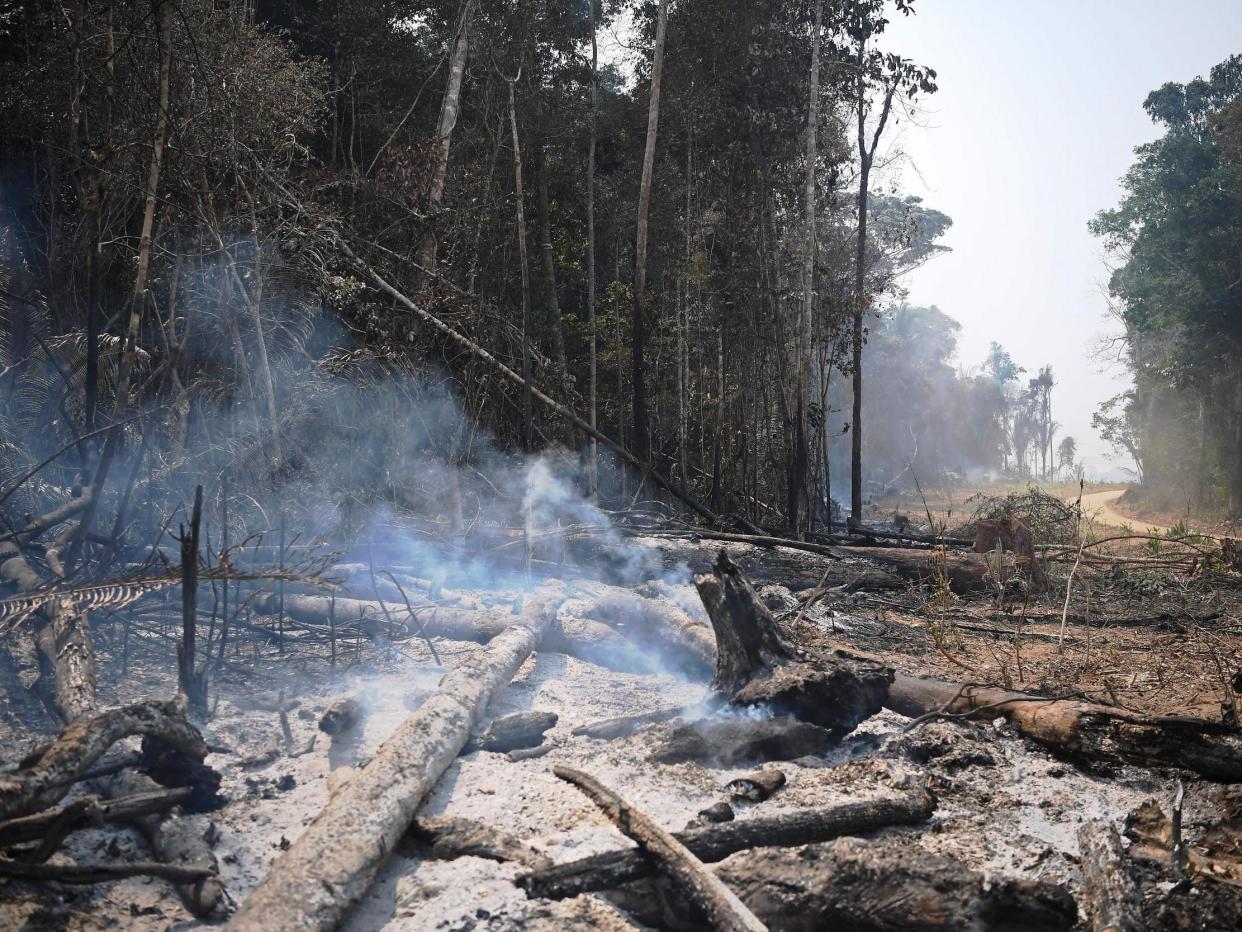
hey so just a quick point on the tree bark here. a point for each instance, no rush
(528, 412)
(1111, 897)
(332, 863)
(642, 438)
(444, 137)
(1083, 731)
(802, 517)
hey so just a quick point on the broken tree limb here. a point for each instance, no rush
(479, 352)
(1083, 731)
(717, 842)
(965, 572)
(1112, 898)
(623, 725)
(98, 873)
(687, 874)
(83, 742)
(332, 863)
(756, 786)
(758, 663)
(88, 811)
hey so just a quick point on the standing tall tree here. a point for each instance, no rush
(642, 438)
(886, 76)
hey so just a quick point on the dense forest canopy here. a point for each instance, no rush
(1176, 239)
(198, 197)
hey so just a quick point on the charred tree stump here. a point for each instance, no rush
(331, 865)
(1112, 898)
(714, 901)
(759, 663)
(1086, 732)
(717, 842)
(191, 682)
(513, 732)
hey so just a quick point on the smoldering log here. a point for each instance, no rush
(83, 742)
(623, 725)
(1111, 896)
(757, 785)
(1086, 732)
(332, 863)
(449, 837)
(512, 732)
(887, 886)
(716, 842)
(731, 741)
(99, 873)
(687, 642)
(690, 879)
(760, 663)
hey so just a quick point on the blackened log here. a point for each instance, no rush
(1085, 732)
(449, 837)
(756, 786)
(511, 732)
(716, 842)
(731, 741)
(686, 874)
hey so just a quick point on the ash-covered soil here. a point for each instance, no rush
(1006, 807)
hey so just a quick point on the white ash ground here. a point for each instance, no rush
(1007, 808)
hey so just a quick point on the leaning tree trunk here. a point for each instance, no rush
(331, 865)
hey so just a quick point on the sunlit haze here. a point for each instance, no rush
(1036, 119)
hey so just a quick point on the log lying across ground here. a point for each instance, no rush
(1083, 731)
(657, 623)
(580, 637)
(691, 881)
(716, 842)
(852, 884)
(332, 863)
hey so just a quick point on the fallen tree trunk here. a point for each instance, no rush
(965, 572)
(888, 886)
(757, 663)
(716, 842)
(688, 643)
(331, 865)
(699, 887)
(83, 742)
(1083, 731)
(583, 638)
(1112, 898)
(511, 732)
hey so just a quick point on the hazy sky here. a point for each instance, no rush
(1039, 109)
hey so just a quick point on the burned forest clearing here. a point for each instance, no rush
(649, 464)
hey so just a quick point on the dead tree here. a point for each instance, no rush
(757, 662)
(191, 682)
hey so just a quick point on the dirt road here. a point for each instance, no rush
(1098, 507)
